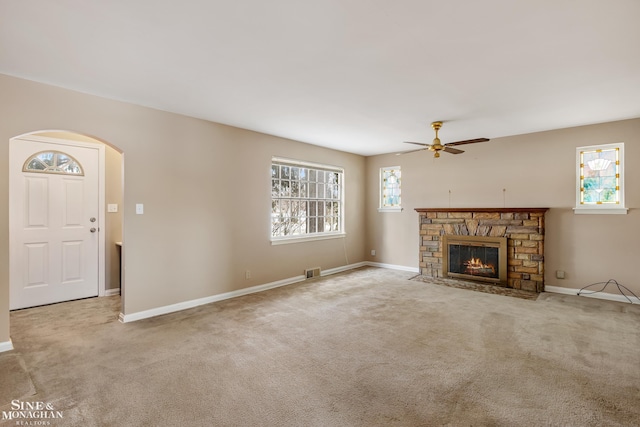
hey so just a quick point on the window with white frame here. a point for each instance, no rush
(53, 162)
(600, 179)
(390, 189)
(306, 201)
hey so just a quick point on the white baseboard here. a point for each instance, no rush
(369, 264)
(340, 269)
(125, 318)
(112, 292)
(393, 267)
(587, 293)
(6, 346)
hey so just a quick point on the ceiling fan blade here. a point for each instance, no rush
(468, 141)
(452, 150)
(418, 143)
(412, 151)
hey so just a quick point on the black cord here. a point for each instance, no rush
(607, 284)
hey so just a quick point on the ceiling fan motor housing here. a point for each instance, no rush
(436, 146)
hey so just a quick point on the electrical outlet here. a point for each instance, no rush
(559, 274)
(247, 274)
(112, 207)
(373, 252)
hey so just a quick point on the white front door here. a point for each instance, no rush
(54, 225)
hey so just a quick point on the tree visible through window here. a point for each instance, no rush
(306, 199)
(53, 162)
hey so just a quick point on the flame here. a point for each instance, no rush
(477, 264)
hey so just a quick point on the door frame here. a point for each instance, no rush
(101, 195)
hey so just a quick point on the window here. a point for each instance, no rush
(390, 182)
(53, 162)
(599, 176)
(306, 201)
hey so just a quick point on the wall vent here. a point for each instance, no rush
(310, 273)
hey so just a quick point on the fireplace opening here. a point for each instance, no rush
(475, 258)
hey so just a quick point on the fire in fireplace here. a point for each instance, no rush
(475, 258)
(477, 266)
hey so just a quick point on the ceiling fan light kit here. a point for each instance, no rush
(437, 146)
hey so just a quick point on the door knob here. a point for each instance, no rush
(92, 219)
(92, 229)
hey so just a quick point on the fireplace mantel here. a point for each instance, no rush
(495, 210)
(523, 228)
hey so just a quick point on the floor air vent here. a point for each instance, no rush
(312, 272)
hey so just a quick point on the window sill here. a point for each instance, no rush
(600, 211)
(300, 239)
(394, 209)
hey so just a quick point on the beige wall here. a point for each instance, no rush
(206, 194)
(537, 170)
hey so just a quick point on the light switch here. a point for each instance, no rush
(112, 207)
(139, 208)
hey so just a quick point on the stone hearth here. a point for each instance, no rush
(523, 228)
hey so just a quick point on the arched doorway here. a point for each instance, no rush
(63, 226)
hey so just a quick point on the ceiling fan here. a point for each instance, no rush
(436, 147)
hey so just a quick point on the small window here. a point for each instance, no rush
(390, 189)
(306, 201)
(599, 179)
(53, 162)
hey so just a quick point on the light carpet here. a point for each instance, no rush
(364, 348)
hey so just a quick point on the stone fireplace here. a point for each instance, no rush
(501, 246)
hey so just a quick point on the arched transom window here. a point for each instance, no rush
(53, 162)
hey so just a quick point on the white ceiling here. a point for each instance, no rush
(355, 75)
